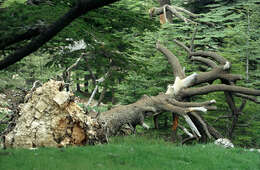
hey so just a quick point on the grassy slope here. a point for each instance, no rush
(130, 153)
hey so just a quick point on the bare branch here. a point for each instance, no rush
(182, 45)
(164, 13)
(98, 81)
(36, 84)
(211, 107)
(174, 11)
(102, 95)
(213, 55)
(219, 87)
(188, 139)
(4, 122)
(204, 125)
(242, 106)
(201, 109)
(183, 112)
(172, 59)
(92, 95)
(190, 104)
(193, 38)
(211, 75)
(186, 131)
(205, 61)
(223, 117)
(185, 11)
(180, 84)
(231, 77)
(144, 125)
(75, 64)
(251, 98)
(178, 15)
(234, 110)
(216, 73)
(66, 73)
(192, 126)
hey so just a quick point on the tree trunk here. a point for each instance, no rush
(77, 84)
(52, 118)
(86, 78)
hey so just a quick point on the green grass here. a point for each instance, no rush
(9, 2)
(130, 153)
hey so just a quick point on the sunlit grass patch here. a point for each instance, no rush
(132, 152)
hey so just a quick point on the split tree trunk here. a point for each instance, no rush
(52, 118)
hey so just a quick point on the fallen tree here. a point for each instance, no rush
(52, 118)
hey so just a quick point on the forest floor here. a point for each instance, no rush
(131, 152)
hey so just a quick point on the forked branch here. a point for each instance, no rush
(175, 11)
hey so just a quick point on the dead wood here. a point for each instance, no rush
(52, 118)
(174, 11)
